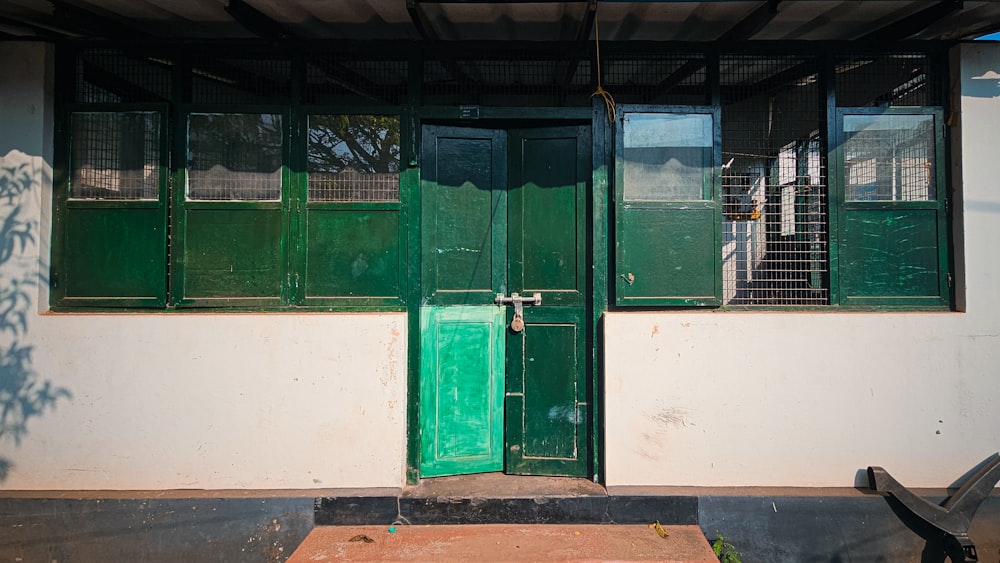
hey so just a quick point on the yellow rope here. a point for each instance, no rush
(609, 102)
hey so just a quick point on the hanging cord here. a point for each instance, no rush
(609, 101)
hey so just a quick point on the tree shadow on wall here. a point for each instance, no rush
(23, 394)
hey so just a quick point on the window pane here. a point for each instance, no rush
(889, 157)
(234, 156)
(666, 156)
(353, 158)
(115, 156)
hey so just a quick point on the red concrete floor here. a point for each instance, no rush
(505, 542)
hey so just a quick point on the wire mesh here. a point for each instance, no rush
(519, 78)
(656, 79)
(115, 156)
(118, 76)
(775, 234)
(229, 80)
(234, 157)
(353, 158)
(888, 80)
(334, 80)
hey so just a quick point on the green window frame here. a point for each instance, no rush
(891, 193)
(668, 212)
(352, 239)
(243, 230)
(110, 203)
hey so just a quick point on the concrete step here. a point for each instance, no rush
(505, 542)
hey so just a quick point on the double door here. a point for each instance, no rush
(505, 387)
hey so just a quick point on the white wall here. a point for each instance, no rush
(808, 399)
(162, 401)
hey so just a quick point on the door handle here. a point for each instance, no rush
(517, 324)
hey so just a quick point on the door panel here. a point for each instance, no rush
(461, 390)
(504, 211)
(546, 364)
(464, 215)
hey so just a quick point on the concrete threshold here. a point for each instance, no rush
(505, 542)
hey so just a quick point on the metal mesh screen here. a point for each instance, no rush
(353, 158)
(656, 79)
(234, 157)
(901, 79)
(774, 183)
(117, 76)
(115, 156)
(334, 80)
(219, 80)
(519, 79)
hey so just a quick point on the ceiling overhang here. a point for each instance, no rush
(512, 20)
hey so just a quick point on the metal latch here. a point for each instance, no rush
(517, 324)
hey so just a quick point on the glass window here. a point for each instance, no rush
(115, 156)
(667, 156)
(234, 156)
(353, 158)
(889, 157)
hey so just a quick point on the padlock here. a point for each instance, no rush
(517, 325)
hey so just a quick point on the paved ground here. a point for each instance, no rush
(504, 542)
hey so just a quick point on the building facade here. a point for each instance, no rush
(746, 272)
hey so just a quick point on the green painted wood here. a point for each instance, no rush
(113, 255)
(600, 229)
(464, 215)
(666, 256)
(547, 401)
(526, 236)
(668, 250)
(461, 390)
(233, 254)
(890, 254)
(352, 254)
(547, 407)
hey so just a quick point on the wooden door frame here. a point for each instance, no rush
(596, 222)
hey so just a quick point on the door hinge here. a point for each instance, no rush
(951, 281)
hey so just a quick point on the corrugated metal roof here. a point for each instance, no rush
(514, 20)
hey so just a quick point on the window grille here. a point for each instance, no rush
(656, 79)
(888, 80)
(115, 156)
(519, 78)
(353, 158)
(775, 234)
(219, 80)
(234, 157)
(118, 76)
(334, 80)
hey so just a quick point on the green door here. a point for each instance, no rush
(504, 211)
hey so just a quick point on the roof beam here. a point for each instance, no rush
(741, 31)
(420, 21)
(753, 23)
(915, 23)
(36, 30)
(74, 16)
(587, 22)
(255, 21)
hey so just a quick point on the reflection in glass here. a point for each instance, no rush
(667, 156)
(353, 158)
(115, 156)
(234, 156)
(889, 157)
